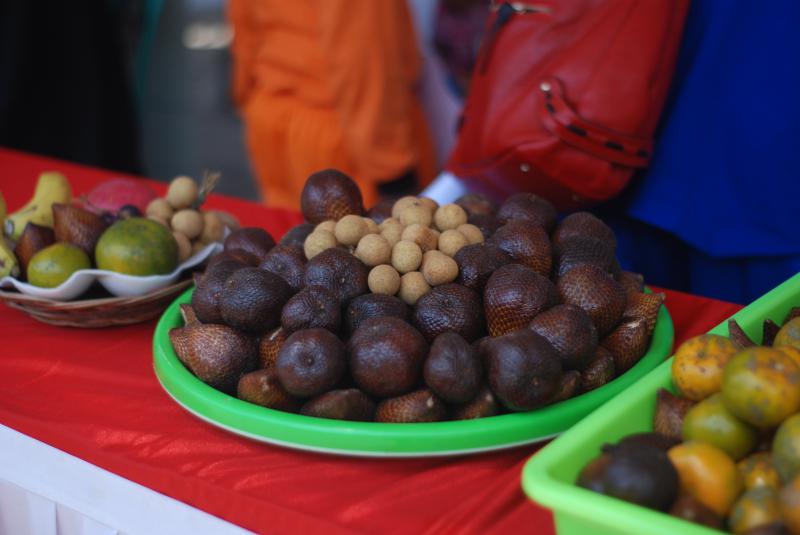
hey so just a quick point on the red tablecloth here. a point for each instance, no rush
(93, 394)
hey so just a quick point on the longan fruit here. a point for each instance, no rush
(412, 287)
(182, 192)
(318, 241)
(449, 216)
(184, 246)
(417, 214)
(383, 279)
(451, 241)
(391, 229)
(403, 203)
(471, 232)
(329, 225)
(188, 222)
(213, 228)
(372, 226)
(406, 256)
(373, 250)
(160, 208)
(429, 203)
(159, 219)
(438, 268)
(228, 219)
(350, 229)
(422, 236)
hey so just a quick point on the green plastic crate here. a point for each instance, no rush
(549, 476)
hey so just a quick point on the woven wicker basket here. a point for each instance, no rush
(101, 312)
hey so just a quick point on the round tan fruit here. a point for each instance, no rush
(422, 236)
(403, 203)
(471, 232)
(160, 208)
(383, 279)
(412, 287)
(329, 225)
(438, 268)
(318, 241)
(182, 192)
(451, 241)
(406, 256)
(188, 222)
(449, 216)
(373, 250)
(350, 229)
(213, 228)
(416, 214)
(184, 246)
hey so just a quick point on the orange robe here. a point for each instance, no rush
(328, 83)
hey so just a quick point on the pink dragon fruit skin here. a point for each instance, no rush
(113, 194)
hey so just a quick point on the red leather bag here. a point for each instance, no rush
(566, 96)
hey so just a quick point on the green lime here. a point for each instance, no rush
(54, 264)
(137, 246)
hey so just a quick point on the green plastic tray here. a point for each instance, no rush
(549, 476)
(384, 440)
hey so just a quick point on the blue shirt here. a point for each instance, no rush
(725, 176)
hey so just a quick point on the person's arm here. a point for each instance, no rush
(371, 60)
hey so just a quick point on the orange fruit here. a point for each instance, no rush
(137, 246)
(790, 505)
(56, 263)
(709, 421)
(708, 474)
(756, 507)
(790, 351)
(757, 470)
(698, 364)
(789, 335)
(786, 448)
(761, 386)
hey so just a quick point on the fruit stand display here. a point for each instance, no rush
(408, 317)
(118, 239)
(95, 398)
(710, 437)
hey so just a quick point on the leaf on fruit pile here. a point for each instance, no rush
(770, 331)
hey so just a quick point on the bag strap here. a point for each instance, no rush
(601, 142)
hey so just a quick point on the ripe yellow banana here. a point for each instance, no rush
(52, 187)
(8, 261)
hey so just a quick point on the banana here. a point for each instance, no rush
(8, 261)
(52, 187)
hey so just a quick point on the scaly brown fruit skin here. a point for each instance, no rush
(453, 370)
(569, 386)
(526, 244)
(599, 371)
(257, 242)
(627, 344)
(632, 282)
(251, 300)
(288, 262)
(368, 306)
(338, 271)
(449, 307)
(570, 331)
(528, 207)
(296, 236)
(513, 296)
(737, 335)
(268, 347)
(216, 354)
(77, 226)
(477, 262)
(476, 204)
(330, 195)
(262, 387)
(644, 306)
(386, 356)
(311, 362)
(584, 224)
(593, 290)
(483, 405)
(581, 250)
(670, 410)
(34, 238)
(313, 306)
(419, 406)
(522, 369)
(348, 404)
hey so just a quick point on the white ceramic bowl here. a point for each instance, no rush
(116, 283)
